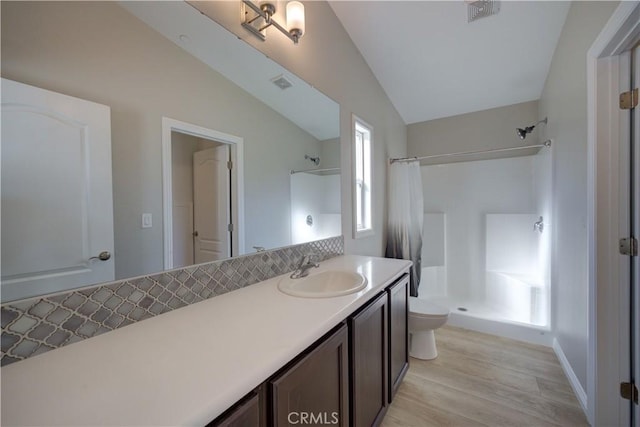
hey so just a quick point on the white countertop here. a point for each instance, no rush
(184, 367)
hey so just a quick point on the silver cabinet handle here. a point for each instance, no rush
(102, 256)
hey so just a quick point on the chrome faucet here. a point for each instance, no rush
(306, 263)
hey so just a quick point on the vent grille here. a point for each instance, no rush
(482, 9)
(282, 82)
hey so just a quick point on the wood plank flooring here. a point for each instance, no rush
(483, 380)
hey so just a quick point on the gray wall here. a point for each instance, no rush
(480, 130)
(99, 52)
(182, 148)
(327, 58)
(330, 153)
(564, 101)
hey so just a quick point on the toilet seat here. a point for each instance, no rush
(426, 309)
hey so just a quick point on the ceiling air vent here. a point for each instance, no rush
(481, 9)
(282, 82)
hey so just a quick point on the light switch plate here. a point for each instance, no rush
(147, 221)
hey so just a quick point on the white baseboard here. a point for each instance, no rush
(581, 395)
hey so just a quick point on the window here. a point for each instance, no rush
(362, 141)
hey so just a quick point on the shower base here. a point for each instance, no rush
(479, 316)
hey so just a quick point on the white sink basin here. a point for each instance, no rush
(325, 284)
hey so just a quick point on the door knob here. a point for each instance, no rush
(195, 233)
(102, 256)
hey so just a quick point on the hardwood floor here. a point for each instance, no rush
(483, 380)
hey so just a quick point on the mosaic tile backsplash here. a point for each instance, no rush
(37, 325)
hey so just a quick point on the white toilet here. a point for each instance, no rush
(424, 318)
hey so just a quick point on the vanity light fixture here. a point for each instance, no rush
(257, 18)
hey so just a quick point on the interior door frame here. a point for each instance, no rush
(236, 145)
(608, 322)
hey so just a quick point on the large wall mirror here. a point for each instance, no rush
(204, 132)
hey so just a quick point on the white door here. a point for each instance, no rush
(57, 207)
(211, 207)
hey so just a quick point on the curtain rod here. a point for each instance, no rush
(315, 170)
(547, 143)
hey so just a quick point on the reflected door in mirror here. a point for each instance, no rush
(211, 204)
(57, 208)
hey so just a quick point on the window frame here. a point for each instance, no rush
(359, 197)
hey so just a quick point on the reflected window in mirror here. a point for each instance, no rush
(362, 143)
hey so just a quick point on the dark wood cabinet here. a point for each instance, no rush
(315, 389)
(347, 378)
(248, 412)
(398, 299)
(369, 363)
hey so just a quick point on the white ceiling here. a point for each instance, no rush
(433, 64)
(240, 63)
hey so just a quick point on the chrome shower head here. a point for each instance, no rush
(522, 133)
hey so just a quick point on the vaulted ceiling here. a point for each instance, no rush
(429, 59)
(432, 63)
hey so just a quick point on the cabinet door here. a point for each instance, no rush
(249, 412)
(398, 333)
(369, 370)
(315, 390)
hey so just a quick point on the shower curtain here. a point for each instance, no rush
(406, 216)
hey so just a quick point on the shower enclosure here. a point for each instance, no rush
(315, 204)
(486, 242)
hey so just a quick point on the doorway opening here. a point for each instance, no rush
(203, 194)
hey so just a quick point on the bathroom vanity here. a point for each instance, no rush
(243, 358)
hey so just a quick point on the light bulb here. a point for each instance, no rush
(295, 18)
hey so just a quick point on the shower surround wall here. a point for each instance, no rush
(317, 194)
(459, 197)
(465, 193)
(318, 197)
(37, 325)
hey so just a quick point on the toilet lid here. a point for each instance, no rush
(422, 308)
